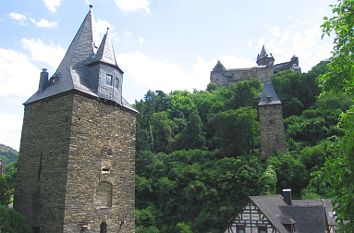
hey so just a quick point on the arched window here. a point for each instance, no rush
(104, 195)
(103, 227)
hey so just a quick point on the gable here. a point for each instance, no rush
(251, 217)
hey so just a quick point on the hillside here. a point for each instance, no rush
(198, 153)
(7, 154)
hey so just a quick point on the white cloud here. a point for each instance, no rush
(18, 17)
(22, 19)
(43, 23)
(144, 72)
(18, 76)
(10, 129)
(300, 39)
(133, 5)
(49, 53)
(141, 40)
(102, 25)
(127, 33)
(52, 5)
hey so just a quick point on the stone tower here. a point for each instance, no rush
(263, 59)
(271, 121)
(77, 155)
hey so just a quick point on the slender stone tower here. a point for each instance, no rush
(271, 121)
(77, 155)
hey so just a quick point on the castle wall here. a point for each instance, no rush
(101, 168)
(272, 129)
(229, 77)
(41, 178)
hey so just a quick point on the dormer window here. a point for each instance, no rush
(109, 80)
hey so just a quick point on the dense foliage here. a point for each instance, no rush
(7, 154)
(337, 175)
(197, 157)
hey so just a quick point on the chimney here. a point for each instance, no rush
(287, 196)
(269, 99)
(43, 80)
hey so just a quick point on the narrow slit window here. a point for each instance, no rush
(109, 79)
(116, 83)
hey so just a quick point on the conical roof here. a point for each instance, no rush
(263, 53)
(105, 52)
(219, 67)
(268, 95)
(74, 72)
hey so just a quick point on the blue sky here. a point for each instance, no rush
(160, 44)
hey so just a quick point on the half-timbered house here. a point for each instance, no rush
(281, 214)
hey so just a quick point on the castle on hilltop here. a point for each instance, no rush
(76, 170)
(263, 72)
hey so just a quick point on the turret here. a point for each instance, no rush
(263, 59)
(271, 121)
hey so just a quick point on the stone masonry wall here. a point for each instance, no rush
(101, 168)
(77, 166)
(272, 129)
(229, 77)
(41, 177)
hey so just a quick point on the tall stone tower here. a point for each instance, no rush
(271, 121)
(77, 154)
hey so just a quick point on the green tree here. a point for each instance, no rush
(268, 181)
(7, 184)
(338, 171)
(12, 221)
(236, 131)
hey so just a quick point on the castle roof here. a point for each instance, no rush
(105, 52)
(219, 67)
(268, 95)
(73, 73)
(263, 53)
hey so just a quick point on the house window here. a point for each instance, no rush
(109, 79)
(116, 83)
(262, 229)
(240, 228)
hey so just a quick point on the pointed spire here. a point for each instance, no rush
(219, 67)
(263, 53)
(105, 52)
(268, 95)
(82, 46)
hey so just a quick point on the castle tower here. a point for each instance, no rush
(77, 155)
(271, 121)
(263, 59)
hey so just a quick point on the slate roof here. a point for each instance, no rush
(309, 216)
(73, 72)
(219, 67)
(269, 205)
(268, 95)
(105, 52)
(263, 53)
(308, 219)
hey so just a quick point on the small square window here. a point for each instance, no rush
(109, 79)
(262, 229)
(240, 228)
